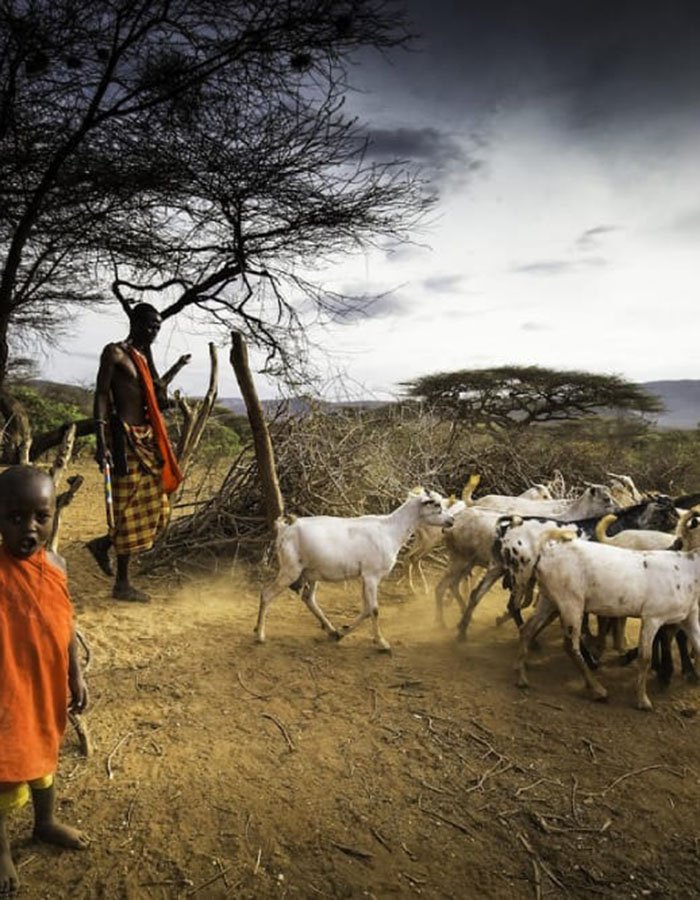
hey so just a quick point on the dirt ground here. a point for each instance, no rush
(307, 768)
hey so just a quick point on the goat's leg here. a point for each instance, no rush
(369, 589)
(457, 570)
(646, 641)
(618, 632)
(344, 630)
(571, 619)
(687, 665)
(267, 595)
(662, 654)
(308, 595)
(490, 578)
(545, 612)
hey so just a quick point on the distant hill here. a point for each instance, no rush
(681, 399)
(297, 405)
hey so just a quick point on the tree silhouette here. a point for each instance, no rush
(514, 397)
(189, 146)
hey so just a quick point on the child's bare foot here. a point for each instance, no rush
(9, 880)
(61, 835)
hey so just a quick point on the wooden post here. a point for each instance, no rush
(264, 454)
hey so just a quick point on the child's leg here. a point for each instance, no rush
(46, 827)
(12, 796)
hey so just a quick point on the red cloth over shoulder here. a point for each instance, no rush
(171, 476)
(36, 625)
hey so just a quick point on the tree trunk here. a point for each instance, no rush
(272, 496)
(16, 432)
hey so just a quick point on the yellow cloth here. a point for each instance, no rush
(17, 796)
(141, 506)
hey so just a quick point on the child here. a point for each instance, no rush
(38, 661)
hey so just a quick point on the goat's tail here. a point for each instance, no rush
(469, 489)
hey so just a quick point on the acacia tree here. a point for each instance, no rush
(197, 146)
(515, 397)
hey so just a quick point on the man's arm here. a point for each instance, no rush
(101, 403)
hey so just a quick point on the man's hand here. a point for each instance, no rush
(103, 457)
(78, 692)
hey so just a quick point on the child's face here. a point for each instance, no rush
(26, 517)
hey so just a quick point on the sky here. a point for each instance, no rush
(563, 139)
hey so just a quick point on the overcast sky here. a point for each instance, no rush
(563, 137)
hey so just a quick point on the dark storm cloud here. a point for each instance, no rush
(601, 61)
(558, 266)
(428, 147)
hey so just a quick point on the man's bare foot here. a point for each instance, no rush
(61, 835)
(99, 547)
(129, 593)
(9, 880)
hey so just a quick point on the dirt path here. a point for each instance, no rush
(306, 768)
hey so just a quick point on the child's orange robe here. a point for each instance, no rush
(36, 623)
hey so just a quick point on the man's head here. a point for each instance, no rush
(145, 324)
(27, 509)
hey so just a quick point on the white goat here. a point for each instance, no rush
(686, 537)
(633, 538)
(594, 501)
(425, 540)
(660, 587)
(469, 544)
(330, 548)
(427, 537)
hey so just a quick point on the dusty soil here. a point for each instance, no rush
(308, 768)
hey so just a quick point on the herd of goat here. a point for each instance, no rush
(611, 552)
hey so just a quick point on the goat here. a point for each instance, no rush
(469, 543)
(657, 513)
(428, 537)
(593, 502)
(633, 538)
(657, 586)
(662, 658)
(596, 499)
(331, 548)
(425, 540)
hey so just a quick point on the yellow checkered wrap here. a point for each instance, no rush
(141, 507)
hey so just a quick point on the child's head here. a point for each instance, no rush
(27, 509)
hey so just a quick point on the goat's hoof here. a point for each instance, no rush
(336, 635)
(462, 635)
(600, 696)
(259, 639)
(522, 682)
(384, 648)
(692, 678)
(645, 705)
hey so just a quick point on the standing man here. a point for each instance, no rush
(132, 439)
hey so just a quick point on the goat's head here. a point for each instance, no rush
(659, 514)
(434, 509)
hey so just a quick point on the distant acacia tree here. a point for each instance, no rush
(197, 148)
(514, 397)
